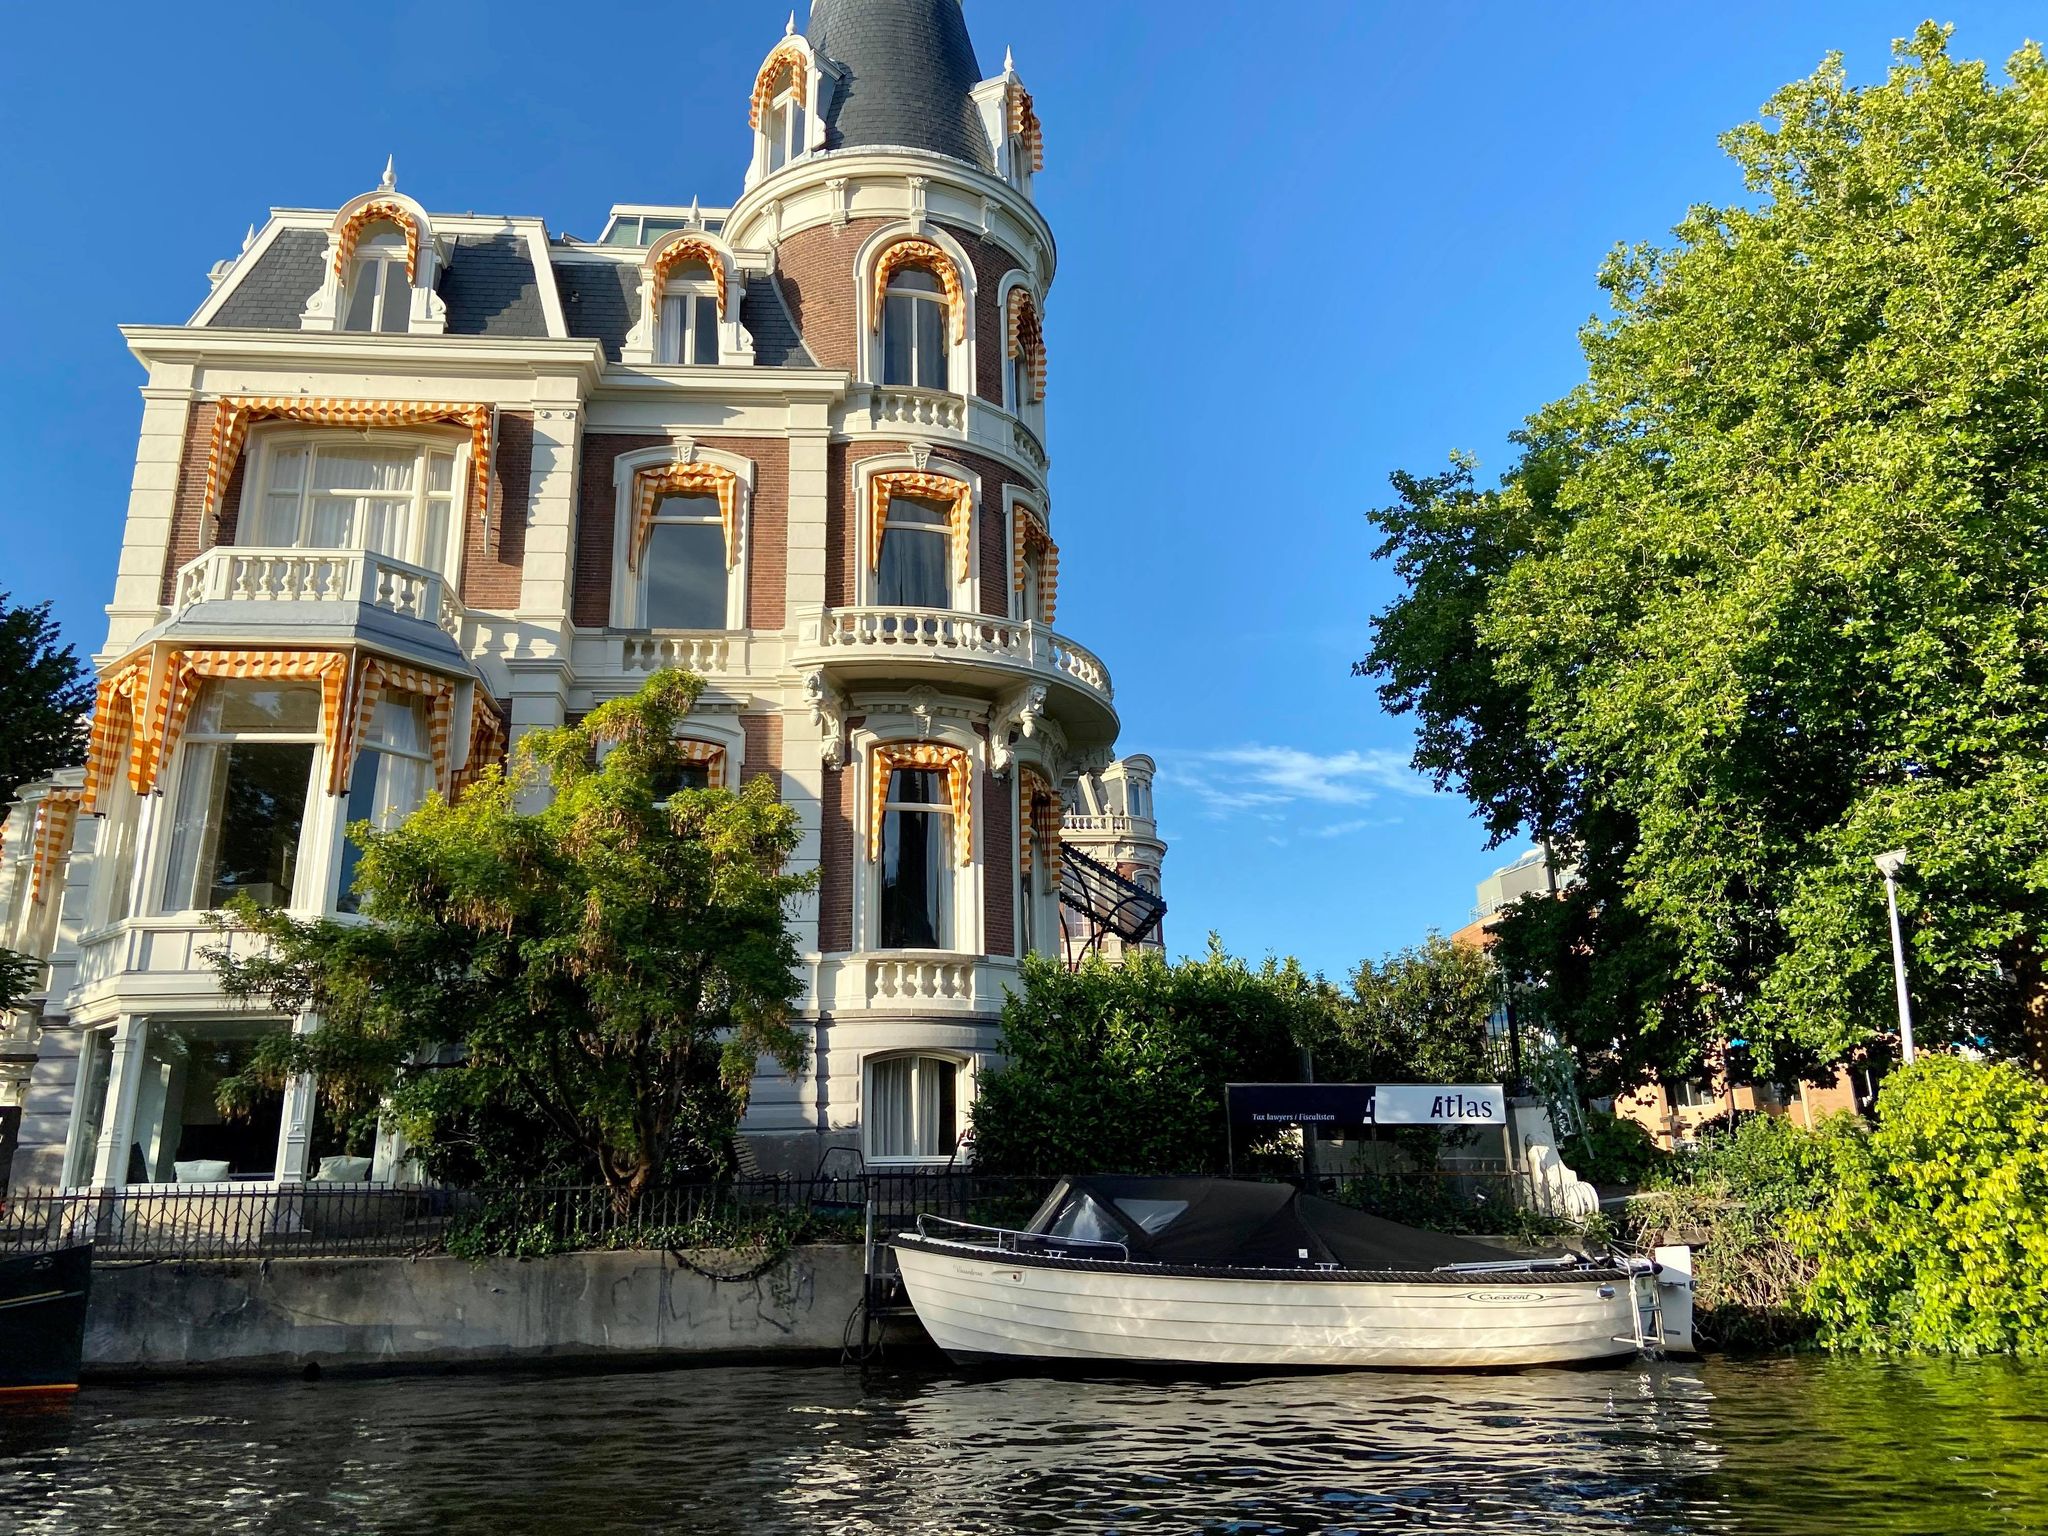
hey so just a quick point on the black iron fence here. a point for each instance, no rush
(366, 1220)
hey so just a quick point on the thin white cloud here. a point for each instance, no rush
(1267, 782)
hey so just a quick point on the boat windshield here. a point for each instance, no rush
(1080, 1217)
(1153, 1216)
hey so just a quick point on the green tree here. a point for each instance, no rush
(1762, 597)
(45, 694)
(1420, 1015)
(605, 973)
(1121, 1068)
(19, 976)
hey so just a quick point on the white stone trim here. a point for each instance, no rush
(626, 584)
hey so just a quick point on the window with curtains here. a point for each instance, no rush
(379, 294)
(785, 125)
(914, 347)
(916, 871)
(1031, 595)
(917, 540)
(245, 774)
(689, 317)
(334, 490)
(394, 772)
(683, 576)
(912, 1108)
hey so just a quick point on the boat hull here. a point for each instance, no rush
(990, 1306)
(42, 1320)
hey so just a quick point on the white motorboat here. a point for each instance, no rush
(1226, 1273)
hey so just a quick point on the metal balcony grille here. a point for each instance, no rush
(1108, 901)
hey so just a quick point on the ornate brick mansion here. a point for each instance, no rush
(411, 484)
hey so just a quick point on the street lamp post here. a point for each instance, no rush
(1889, 864)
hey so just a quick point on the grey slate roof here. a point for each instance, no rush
(600, 301)
(490, 288)
(911, 69)
(767, 319)
(273, 292)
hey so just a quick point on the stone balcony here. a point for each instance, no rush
(937, 413)
(913, 981)
(942, 647)
(235, 593)
(153, 962)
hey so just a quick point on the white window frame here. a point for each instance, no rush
(316, 826)
(887, 726)
(629, 578)
(267, 445)
(950, 884)
(918, 296)
(372, 746)
(786, 127)
(967, 589)
(960, 369)
(963, 1098)
(381, 258)
(677, 333)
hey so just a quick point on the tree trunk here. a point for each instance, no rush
(2034, 1009)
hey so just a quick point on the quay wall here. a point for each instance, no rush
(395, 1313)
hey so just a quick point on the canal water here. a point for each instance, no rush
(1839, 1448)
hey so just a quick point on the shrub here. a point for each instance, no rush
(1614, 1150)
(1931, 1233)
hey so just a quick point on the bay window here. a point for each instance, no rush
(379, 296)
(916, 541)
(245, 776)
(912, 1108)
(181, 1133)
(917, 861)
(318, 492)
(915, 352)
(393, 774)
(689, 317)
(684, 578)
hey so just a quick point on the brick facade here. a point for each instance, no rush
(999, 882)
(762, 735)
(837, 856)
(767, 524)
(843, 545)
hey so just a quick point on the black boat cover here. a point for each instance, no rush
(1236, 1223)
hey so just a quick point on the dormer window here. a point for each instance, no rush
(689, 317)
(914, 345)
(379, 296)
(786, 127)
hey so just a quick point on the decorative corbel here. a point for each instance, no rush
(836, 188)
(828, 714)
(920, 455)
(923, 705)
(917, 202)
(1024, 713)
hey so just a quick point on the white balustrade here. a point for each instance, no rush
(235, 574)
(693, 653)
(940, 632)
(1117, 826)
(929, 409)
(920, 979)
(1027, 446)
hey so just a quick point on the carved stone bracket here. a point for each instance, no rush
(924, 705)
(1023, 713)
(828, 714)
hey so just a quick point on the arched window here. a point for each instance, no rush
(683, 569)
(379, 293)
(689, 317)
(915, 350)
(912, 1108)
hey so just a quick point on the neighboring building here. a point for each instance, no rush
(412, 484)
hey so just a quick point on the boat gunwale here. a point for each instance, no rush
(1006, 1259)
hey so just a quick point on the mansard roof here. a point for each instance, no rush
(907, 75)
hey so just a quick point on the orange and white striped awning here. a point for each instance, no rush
(50, 843)
(692, 479)
(959, 770)
(233, 414)
(926, 257)
(1027, 338)
(171, 703)
(1038, 820)
(687, 247)
(785, 60)
(1032, 541)
(489, 733)
(379, 211)
(117, 720)
(374, 678)
(957, 494)
(1025, 127)
(709, 753)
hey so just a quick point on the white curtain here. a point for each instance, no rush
(890, 1132)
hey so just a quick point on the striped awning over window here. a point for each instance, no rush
(233, 415)
(1032, 541)
(684, 248)
(184, 671)
(375, 677)
(117, 716)
(1027, 338)
(925, 257)
(51, 842)
(785, 62)
(489, 734)
(711, 755)
(380, 211)
(1038, 821)
(650, 485)
(1025, 127)
(959, 770)
(957, 494)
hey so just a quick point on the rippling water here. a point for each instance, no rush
(1841, 1448)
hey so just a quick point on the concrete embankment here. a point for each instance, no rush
(394, 1314)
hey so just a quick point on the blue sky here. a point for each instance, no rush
(1300, 245)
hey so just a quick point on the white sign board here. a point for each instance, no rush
(1439, 1104)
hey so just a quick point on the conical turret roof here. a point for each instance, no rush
(909, 74)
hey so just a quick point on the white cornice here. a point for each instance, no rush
(315, 351)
